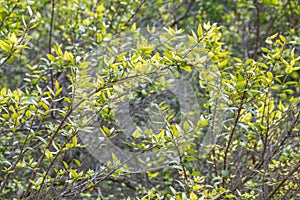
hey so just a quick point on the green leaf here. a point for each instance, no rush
(173, 190)
(225, 174)
(41, 139)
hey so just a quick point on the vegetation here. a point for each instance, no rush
(128, 99)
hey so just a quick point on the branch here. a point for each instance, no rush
(184, 15)
(50, 38)
(283, 181)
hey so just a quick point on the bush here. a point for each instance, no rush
(134, 99)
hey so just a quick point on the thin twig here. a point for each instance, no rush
(50, 38)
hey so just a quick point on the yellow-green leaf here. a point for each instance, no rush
(281, 106)
(50, 57)
(32, 182)
(196, 187)
(15, 115)
(206, 26)
(12, 38)
(187, 68)
(74, 140)
(289, 69)
(199, 31)
(114, 157)
(152, 175)
(161, 134)
(66, 165)
(205, 123)
(265, 50)
(83, 65)
(270, 75)
(48, 154)
(99, 37)
(186, 126)
(282, 38)
(106, 130)
(273, 36)
(3, 91)
(133, 27)
(193, 196)
(136, 134)
(20, 164)
(263, 65)
(223, 63)
(4, 46)
(238, 60)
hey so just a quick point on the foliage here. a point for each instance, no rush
(53, 88)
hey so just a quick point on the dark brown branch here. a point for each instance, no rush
(50, 39)
(184, 15)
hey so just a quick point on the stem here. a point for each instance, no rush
(231, 136)
(50, 39)
(233, 130)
